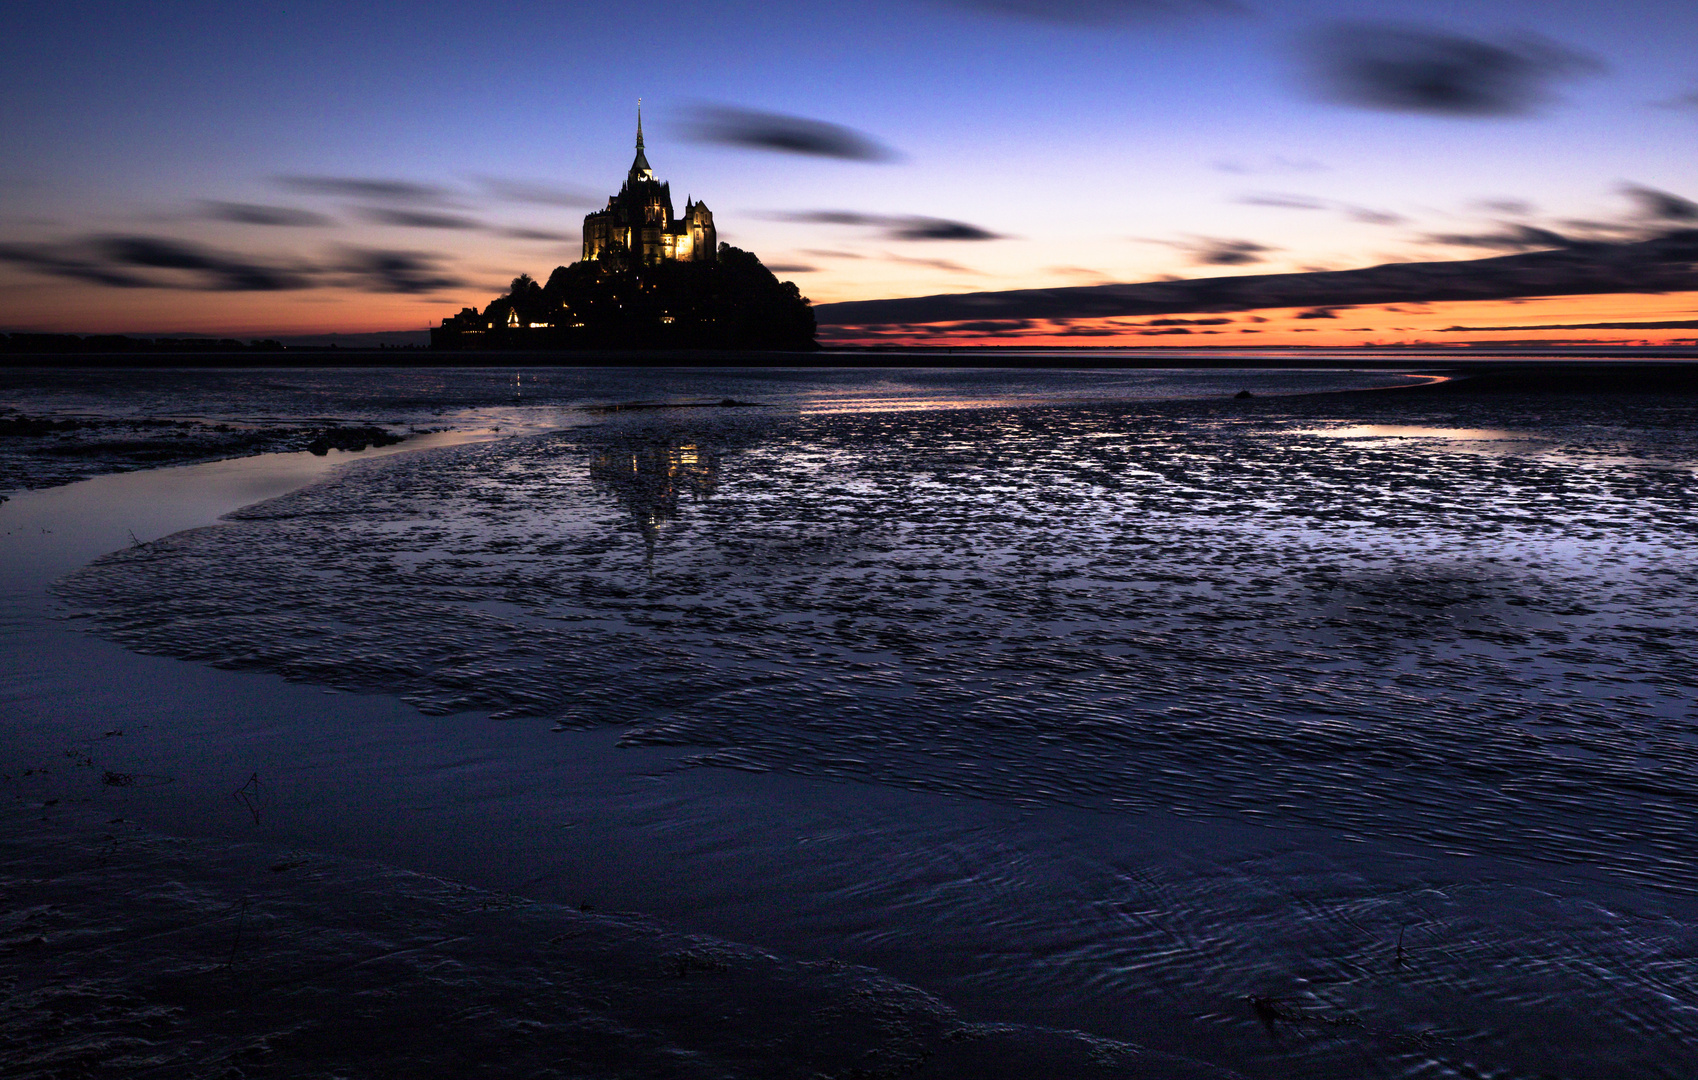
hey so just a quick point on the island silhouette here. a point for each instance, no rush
(648, 278)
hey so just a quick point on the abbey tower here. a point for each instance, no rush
(639, 219)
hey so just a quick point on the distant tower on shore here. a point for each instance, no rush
(640, 220)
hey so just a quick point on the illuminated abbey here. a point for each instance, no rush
(648, 280)
(639, 220)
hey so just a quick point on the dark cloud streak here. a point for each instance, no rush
(377, 190)
(1216, 252)
(1660, 205)
(150, 262)
(897, 228)
(538, 234)
(417, 219)
(214, 271)
(379, 271)
(1675, 324)
(1512, 238)
(254, 214)
(1413, 69)
(1282, 201)
(44, 259)
(729, 126)
(1661, 264)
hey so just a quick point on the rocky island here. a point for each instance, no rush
(648, 279)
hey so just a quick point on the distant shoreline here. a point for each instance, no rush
(1660, 371)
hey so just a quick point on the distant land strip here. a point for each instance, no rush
(1659, 265)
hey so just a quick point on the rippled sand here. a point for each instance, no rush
(1184, 606)
(1407, 619)
(149, 955)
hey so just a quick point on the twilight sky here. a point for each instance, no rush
(263, 169)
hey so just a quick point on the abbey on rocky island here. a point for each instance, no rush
(639, 220)
(647, 280)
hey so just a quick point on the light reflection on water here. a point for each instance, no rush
(650, 481)
(1408, 431)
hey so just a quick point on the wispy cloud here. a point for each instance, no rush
(255, 214)
(67, 261)
(417, 219)
(1663, 263)
(751, 129)
(134, 262)
(990, 327)
(539, 234)
(930, 264)
(374, 189)
(1661, 205)
(540, 194)
(896, 227)
(152, 262)
(1082, 272)
(1367, 215)
(1280, 200)
(372, 270)
(1414, 69)
(1509, 238)
(1214, 251)
(1278, 163)
(1506, 205)
(1659, 324)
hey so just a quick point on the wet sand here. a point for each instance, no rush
(1407, 870)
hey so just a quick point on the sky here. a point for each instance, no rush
(265, 169)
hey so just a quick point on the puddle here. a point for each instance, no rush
(1405, 431)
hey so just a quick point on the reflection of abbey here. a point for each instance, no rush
(650, 481)
(639, 220)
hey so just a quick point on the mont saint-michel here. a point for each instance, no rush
(649, 278)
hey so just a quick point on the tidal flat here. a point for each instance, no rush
(956, 722)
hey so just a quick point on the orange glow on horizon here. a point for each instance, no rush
(46, 307)
(37, 308)
(1380, 325)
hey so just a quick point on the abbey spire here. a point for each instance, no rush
(640, 167)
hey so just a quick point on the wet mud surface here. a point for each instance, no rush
(38, 452)
(1436, 652)
(128, 953)
(1186, 606)
(58, 426)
